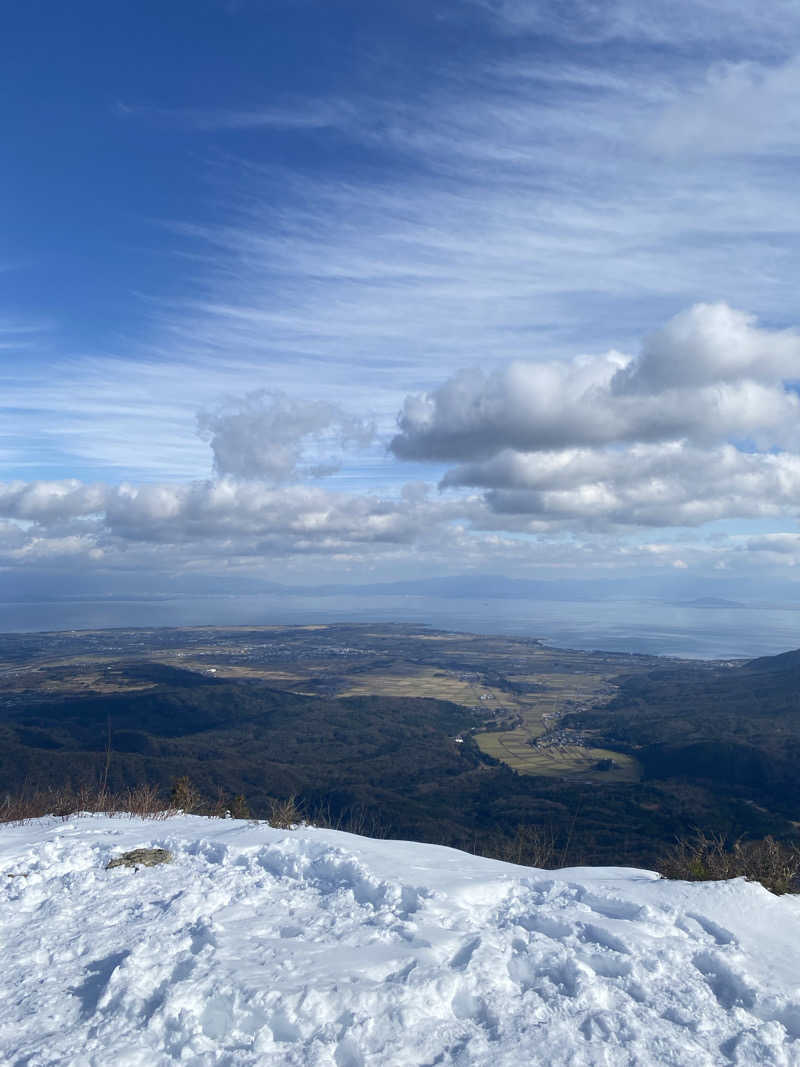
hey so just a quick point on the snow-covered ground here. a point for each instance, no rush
(260, 946)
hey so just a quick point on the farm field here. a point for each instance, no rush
(519, 689)
(478, 742)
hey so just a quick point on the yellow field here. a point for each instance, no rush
(571, 761)
(280, 679)
(426, 682)
(544, 684)
(540, 713)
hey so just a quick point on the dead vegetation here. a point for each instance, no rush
(142, 801)
(531, 846)
(712, 857)
(148, 802)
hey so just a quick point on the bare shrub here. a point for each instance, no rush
(142, 800)
(19, 808)
(220, 809)
(34, 803)
(710, 858)
(364, 822)
(357, 820)
(239, 808)
(184, 796)
(86, 798)
(532, 846)
(284, 814)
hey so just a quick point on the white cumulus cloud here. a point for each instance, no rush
(702, 425)
(709, 374)
(267, 434)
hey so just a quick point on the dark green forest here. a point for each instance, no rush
(719, 748)
(734, 731)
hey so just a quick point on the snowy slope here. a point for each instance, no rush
(259, 946)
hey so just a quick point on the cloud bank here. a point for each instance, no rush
(544, 458)
(704, 424)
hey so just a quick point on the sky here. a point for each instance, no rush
(311, 291)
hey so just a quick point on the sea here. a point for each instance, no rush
(683, 630)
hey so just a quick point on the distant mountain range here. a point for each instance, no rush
(683, 590)
(471, 586)
(712, 602)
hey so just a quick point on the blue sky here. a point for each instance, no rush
(333, 290)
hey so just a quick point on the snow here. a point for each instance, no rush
(314, 947)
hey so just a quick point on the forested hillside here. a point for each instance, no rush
(735, 728)
(397, 766)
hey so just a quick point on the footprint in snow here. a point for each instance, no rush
(610, 907)
(730, 988)
(546, 925)
(590, 934)
(402, 975)
(720, 935)
(97, 976)
(462, 958)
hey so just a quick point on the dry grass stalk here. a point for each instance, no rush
(709, 858)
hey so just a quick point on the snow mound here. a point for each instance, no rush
(313, 947)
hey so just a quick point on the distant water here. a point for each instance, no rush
(615, 625)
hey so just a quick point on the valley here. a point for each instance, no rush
(520, 689)
(460, 739)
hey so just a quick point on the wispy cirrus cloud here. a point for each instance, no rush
(516, 212)
(498, 249)
(741, 108)
(294, 115)
(21, 336)
(717, 22)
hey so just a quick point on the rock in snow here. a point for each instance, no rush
(140, 857)
(313, 947)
